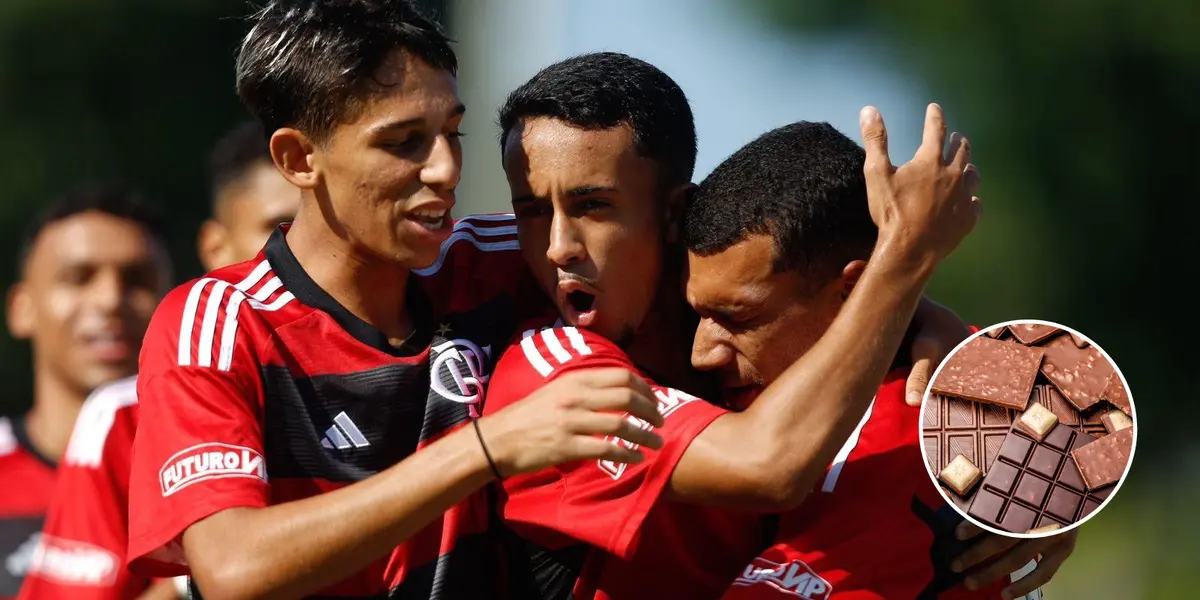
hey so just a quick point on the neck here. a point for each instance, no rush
(55, 406)
(662, 345)
(371, 288)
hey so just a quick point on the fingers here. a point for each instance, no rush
(926, 354)
(875, 142)
(987, 547)
(618, 399)
(971, 179)
(1015, 558)
(956, 139)
(967, 530)
(614, 425)
(960, 154)
(934, 137)
(596, 448)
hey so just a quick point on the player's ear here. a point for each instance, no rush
(849, 276)
(293, 155)
(673, 207)
(20, 311)
(212, 245)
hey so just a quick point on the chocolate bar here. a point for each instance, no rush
(1079, 340)
(993, 371)
(1116, 394)
(1088, 421)
(995, 332)
(1081, 374)
(1032, 333)
(953, 427)
(1034, 484)
(1103, 461)
(1037, 420)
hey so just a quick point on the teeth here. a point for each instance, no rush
(431, 225)
(430, 214)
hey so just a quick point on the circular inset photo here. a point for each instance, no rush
(1028, 428)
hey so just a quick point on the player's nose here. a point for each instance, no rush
(709, 352)
(566, 246)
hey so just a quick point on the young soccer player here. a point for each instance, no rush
(301, 427)
(82, 550)
(92, 268)
(599, 151)
(778, 235)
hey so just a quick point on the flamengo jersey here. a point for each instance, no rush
(875, 528)
(257, 388)
(636, 545)
(27, 479)
(81, 554)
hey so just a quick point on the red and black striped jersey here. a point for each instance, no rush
(596, 530)
(257, 388)
(874, 528)
(27, 478)
(81, 555)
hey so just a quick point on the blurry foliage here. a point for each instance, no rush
(1083, 117)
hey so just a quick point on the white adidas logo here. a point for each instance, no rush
(343, 434)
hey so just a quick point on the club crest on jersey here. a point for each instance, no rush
(214, 460)
(459, 372)
(794, 578)
(73, 562)
(669, 401)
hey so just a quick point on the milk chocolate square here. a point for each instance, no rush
(1103, 461)
(1032, 333)
(1116, 393)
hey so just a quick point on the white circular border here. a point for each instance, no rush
(934, 478)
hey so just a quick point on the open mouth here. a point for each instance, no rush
(108, 347)
(430, 219)
(577, 302)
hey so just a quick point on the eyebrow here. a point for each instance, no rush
(458, 110)
(578, 192)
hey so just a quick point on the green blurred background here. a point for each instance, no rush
(1083, 117)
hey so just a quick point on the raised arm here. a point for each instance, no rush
(770, 456)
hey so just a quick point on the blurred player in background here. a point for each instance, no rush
(778, 236)
(82, 554)
(302, 413)
(599, 151)
(92, 267)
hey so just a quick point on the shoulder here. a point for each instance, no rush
(554, 347)
(542, 352)
(95, 422)
(201, 322)
(491, 238)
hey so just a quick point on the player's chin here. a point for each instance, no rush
(421, 249)
(94, 375)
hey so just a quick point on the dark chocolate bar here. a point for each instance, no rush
(993, 371)
(1088, 420)
(1035, 484)
(1103, 461)
(1081, 374)
(1032, 333)
(952, 426)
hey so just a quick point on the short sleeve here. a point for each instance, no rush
(599, 503)
(199, 444)
(81, 552)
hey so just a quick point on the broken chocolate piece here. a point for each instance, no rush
(1103, 461)
(992, 371)
(1032, 333)
(1081, 374)
(1079, 340)
(1116, 393)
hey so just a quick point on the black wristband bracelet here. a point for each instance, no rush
(488, 455)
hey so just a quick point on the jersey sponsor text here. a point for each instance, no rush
(794, 578)
(72, 562)
(213, 460)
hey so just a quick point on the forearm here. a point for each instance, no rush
(298, 548)
(769, 456)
